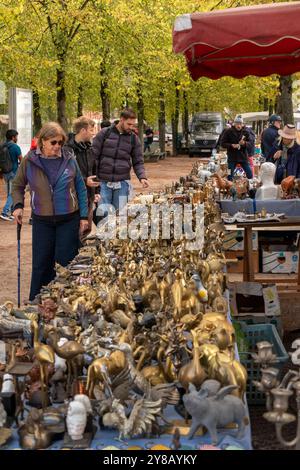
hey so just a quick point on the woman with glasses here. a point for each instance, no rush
(58, 202)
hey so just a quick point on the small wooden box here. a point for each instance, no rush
(238, 267)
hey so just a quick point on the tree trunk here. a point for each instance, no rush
(80, 101)
(175, 120)
(284, 105)
(185, 117)
(61, 98)
(37, 119)
(140, 113)
(105, 102)
(162, 122)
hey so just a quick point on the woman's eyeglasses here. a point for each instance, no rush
(59, 142)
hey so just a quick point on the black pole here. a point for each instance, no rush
(19, 226)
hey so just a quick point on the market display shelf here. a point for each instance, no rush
(254, 334)
(266, 277)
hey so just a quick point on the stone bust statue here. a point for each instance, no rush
(268, 190)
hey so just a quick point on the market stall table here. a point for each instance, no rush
(104, 438)
(289, 207)
(289, 223)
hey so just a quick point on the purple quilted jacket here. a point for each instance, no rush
(116, 153)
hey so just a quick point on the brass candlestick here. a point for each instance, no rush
(278, 394)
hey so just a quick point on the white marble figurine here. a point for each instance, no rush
(8, 384)
(84, 399)
(76, 420)
(268, 190)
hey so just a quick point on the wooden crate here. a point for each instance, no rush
(238, 267)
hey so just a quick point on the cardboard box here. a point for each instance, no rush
(290, 308)
(254, 299)
(234, 240)
(279, 259)
(239, 266)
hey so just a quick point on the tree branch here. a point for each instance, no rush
(216, 6)
(197, 7)
(8, 37)
(41, 40)
(72, 36)
(82, 7)
(51, 27)
(74, 30)
(34, 8)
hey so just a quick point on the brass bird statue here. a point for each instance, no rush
(45, 356)
(69, 351)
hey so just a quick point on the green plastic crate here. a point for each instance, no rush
(255, 334)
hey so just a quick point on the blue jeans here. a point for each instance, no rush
(117, 198)
(52, 242)
(246, 167)
(8, 177)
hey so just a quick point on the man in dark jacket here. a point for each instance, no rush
(148, 140)
(116, 150)
(270, 134)
(251, 147)
(236, 141)
(80, 142)
(252, 138)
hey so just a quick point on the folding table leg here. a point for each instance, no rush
(248, 256)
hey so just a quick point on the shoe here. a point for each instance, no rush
(6, 217)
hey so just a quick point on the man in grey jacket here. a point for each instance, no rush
(116, 150)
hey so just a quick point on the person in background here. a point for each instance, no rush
(236, 141)
(270, 134)
(104, 124)
(58, 202)
(116, 150)
(135, 129)
(251, 147)
(227, 126)
(34, 142)
(80, 144)
(148, 139)
(285, 153)
(16, 156)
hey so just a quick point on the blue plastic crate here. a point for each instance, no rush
(254, 320)
(255, 334)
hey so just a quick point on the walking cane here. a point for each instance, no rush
(19, 226)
